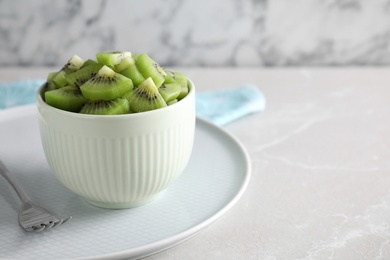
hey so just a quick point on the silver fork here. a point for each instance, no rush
(32, 217)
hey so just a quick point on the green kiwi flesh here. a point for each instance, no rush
(67, 98)
(49, 85)
(145, 97)
(59, 79)
(106, 85)
(116, 82)
(117, 106)
(128, 69)
(170, 77)
(150, 68)
(112, 58)
(170, 91)
(82, 75)
(182, 79)
(88, 62)
(73, 64)
(123, 64)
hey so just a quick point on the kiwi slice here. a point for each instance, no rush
(82, 75)
(123, 64)
(182, 79)
(149, 68)
(73, 64)
(49, 84)
(128, 68)
(67, 98)
(47, 87)
(88, 62)
(106, 85)
(110, 107)
(170, 77)
(112, 58)
(145, 97)
(59, 79)
(183, 92)
(170, 91)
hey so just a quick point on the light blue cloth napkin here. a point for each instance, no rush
(224, 106)
(18, 93)
(220, 107)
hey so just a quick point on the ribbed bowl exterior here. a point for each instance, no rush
(118, 161)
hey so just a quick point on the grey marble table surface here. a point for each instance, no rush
(320, 152)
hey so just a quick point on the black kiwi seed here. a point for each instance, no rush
(67, 98)
(110, 107)
(104, 79)
(106, 85)
(80, 82)
(158, 68)
(145, 97)
(66, 66)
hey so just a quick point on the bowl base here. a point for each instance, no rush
(122, 205)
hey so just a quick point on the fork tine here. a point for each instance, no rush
(57, 223)
(62, 221)
(35, 229)
(42, 227)
(65, 220)
(32, 217)
(51, 224)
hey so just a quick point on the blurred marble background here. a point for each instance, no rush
(199, 32)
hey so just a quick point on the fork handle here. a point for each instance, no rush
(6, 174)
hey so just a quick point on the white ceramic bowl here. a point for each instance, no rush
(119, 161)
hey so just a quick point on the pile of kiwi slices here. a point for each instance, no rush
(117, 82)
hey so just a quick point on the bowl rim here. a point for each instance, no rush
(41, 103)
